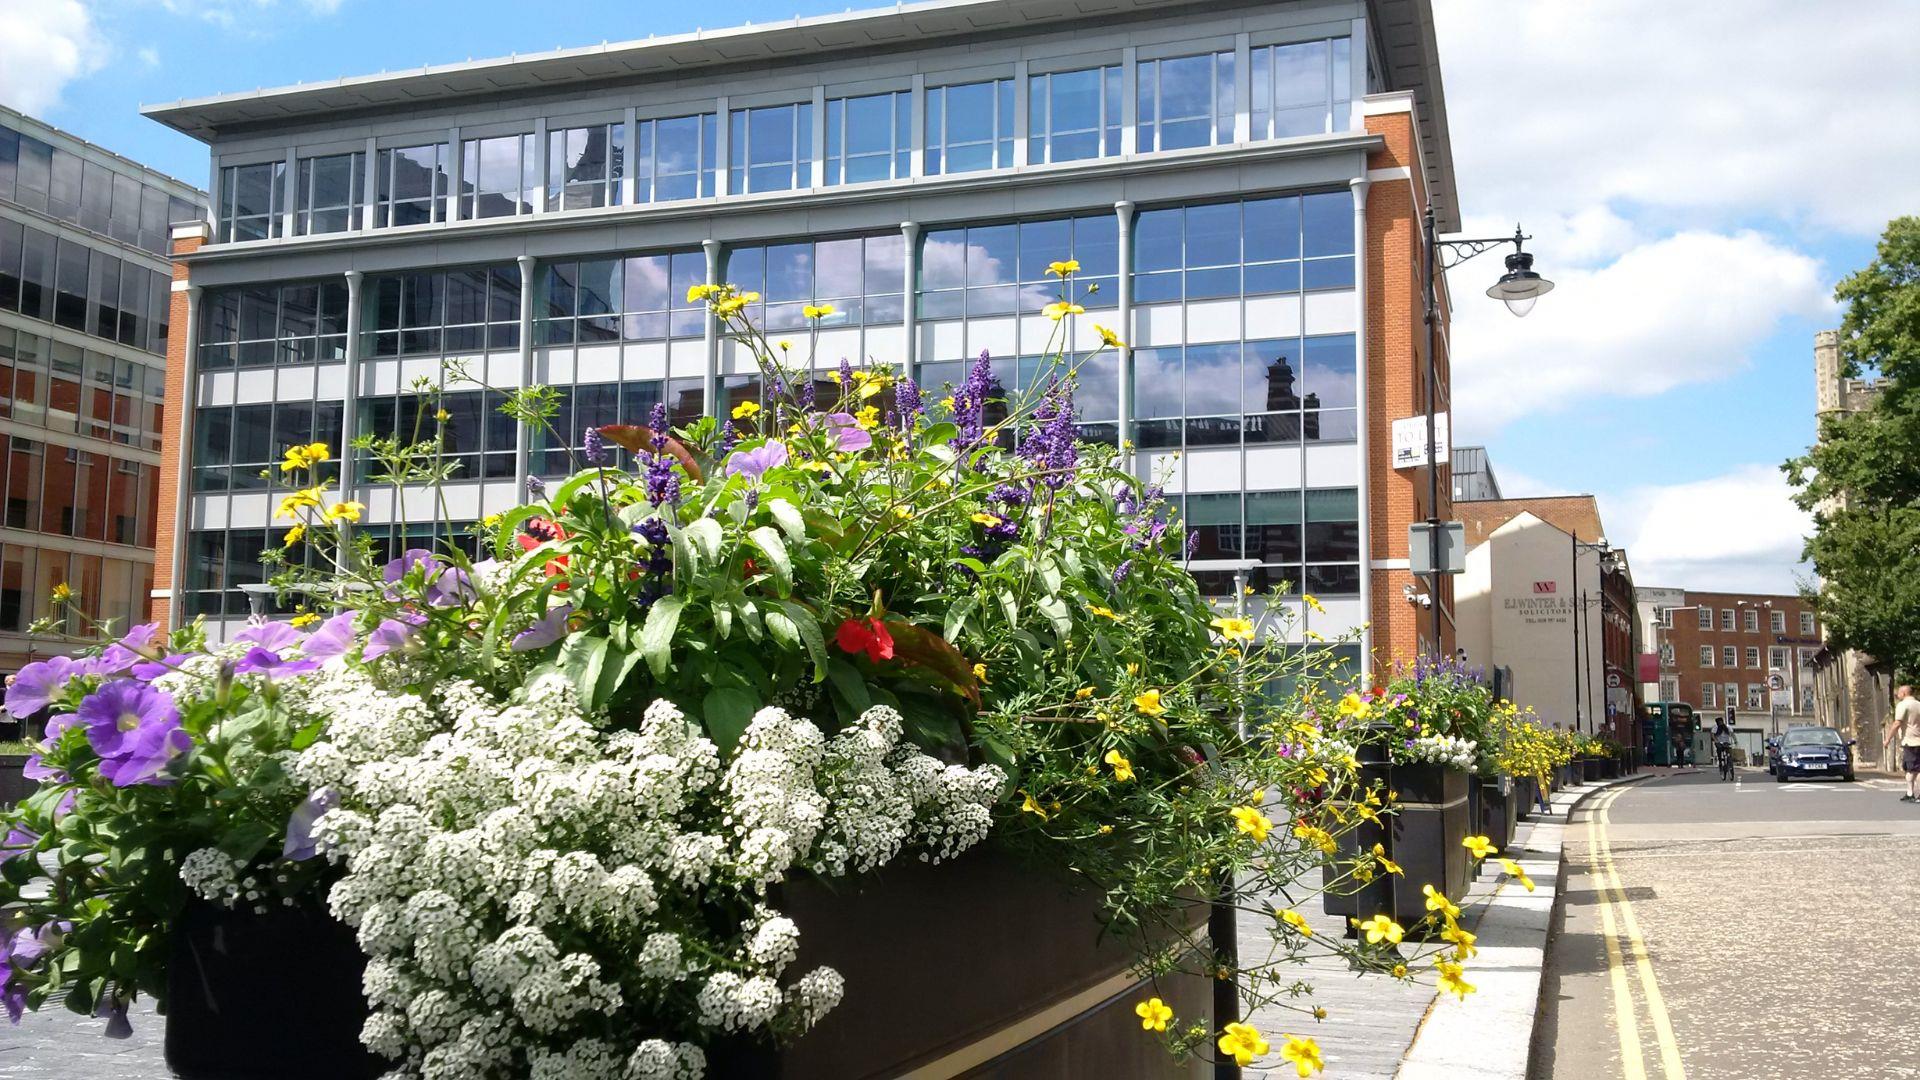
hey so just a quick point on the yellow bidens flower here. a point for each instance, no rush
(1437, 901)
(1122, 768)
(1030, 805)
(1060, 309)
(1309, 600)
(1242, 1043)
(304, 457)
(980, 672)
(1251, 821)
(1063, 268)
(62, 593)
(1153, 1014)
(346, 511)
(1083, 693)
(1479, 845)
(731, 305)
(492, 521)
(1104, 612)
(303, 620)
(294, 535)
(1462, 941)
(1513, 871)
(292, 504)
(1303, 1054)
(1111, 339)
(1380, 928)
(1234, 629)
(1297, 921)
(442, 415)
(697, 293)
(1355, 706)
(1380, 856)
(745, 410)
(1149, 703)
(817, 311)
(1451, 981)
(983, 518)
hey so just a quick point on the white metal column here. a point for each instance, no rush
(710, 385)
(523, 434)
(1359, 187)
(1123, 221)
(910, 319)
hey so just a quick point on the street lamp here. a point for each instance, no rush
(1519, 287)
(1609, 562)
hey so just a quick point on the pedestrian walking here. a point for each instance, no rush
(1906, 722)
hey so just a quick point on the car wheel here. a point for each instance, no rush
(1847, 777)
(1781, 776)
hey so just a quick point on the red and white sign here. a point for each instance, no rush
(1541, 587)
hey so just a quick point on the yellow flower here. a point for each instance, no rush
(1317, 836)
(697, 293)
(1513, 871)
(303, 620)
(817, 311)
(1319, 1013)
(296, 459)
(980, 672)
(1297, 921)
(815, 465)
(1251, 821)
(1304, 1054)
(317, 452)
(1313, 603)
(1380, 856)
(1112, 339)
(442, 415)
(1104, 829)
(1462, 940)
(904, 513)
(1380, 928)
(745, 410)
(1060, 309)
(1242, 1043)
(1355, 706)
(492, 521)
(1031, 806)
(1083, 693)
(947, 402)
(291, 505)
(1234, 629)
(294, 535)
(1437, 901)
(869, 417)
(1153, 1014)
(1451, 981)
(1149, 703)
(1122, 768)
(1479, 845)
(62, 593)
(1104, 612)
(346, 511)
(1062, 269)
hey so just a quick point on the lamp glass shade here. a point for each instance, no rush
(1521, 305)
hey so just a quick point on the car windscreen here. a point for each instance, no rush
(1812, 738)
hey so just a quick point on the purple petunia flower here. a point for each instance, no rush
(333, 638)
(451, 587)
(545, 631)
(19, 840)
(153, 669)
(273, 635)
(402, 566)
(37, 684)
(391, 634)
(35, 768)
(754, 463)
(300, 845)
(847, 433)
(65, 805)
(259, 661)
(119, 710)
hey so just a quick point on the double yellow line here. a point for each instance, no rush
(1613, 899)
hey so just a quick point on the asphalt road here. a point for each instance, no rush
(1744, 930)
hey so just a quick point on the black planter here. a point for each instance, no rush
(1423, 835)
(1498, 809)
(1590, 769)
(274, 995)
(14, 786)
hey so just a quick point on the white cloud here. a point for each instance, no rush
(1737, 532)
(241, 14)
(1705, 114)
(1682, 310)
(44, 45)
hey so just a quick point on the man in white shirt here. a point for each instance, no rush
(1906, 724)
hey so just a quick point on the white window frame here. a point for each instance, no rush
(1777, 622)
(1806, 624)
(1706, 656)
(1707, 696)
(1706, 617)
(1729, 656)
(1753, 656)
(1750, 621)
(1726, 621)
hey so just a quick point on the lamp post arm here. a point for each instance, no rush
(1469, 247)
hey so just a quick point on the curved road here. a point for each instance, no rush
(1744, 930)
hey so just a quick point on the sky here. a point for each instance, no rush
(1695, 184)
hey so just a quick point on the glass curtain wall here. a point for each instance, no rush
(296, 322)
(1185, 102)
(585, 166)
(869, 138)
(770, 149)
(53, 181)
(1304, 88)
(329, 193)
(412, 183)
(969, 127)
(1072, 115)
(674, 159)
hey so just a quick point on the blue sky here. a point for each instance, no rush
(1696, 185)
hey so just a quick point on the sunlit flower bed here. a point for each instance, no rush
(552, 789)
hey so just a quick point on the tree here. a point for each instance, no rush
(1861, 481)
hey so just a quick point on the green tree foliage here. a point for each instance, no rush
(1861, 481)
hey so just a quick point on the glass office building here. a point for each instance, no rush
(1207, 164)
(85, 323)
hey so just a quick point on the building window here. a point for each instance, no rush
(1806, 624)
(475, 438)
(1305, 88)
(411, 183)
(1185, 102)
(1706, 696)
(454, 313)
(239, 447)
(1302, 539)
(674, 159)
(1665, 618)
(498, 177)
(631, 298)
(1669, 689)
(252, 200)
(869, 138)
(329, 194)
(771, 149)
(1756, 697)
(1073, 115)
(1706, 618)
(969, 127)
(1729, 656)
(1726, 620)
(1777, 621)
(864, 279)
(557, 448)
(584, 166)
(1777, 658)
(1753, 656)
(1750, 621)
(1730, 695)
(301, 322)
(1706, 656)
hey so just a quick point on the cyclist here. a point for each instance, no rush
(1723, 747)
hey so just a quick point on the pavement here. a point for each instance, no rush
(1743, 929)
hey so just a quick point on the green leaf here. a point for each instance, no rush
(957, 616)
(581, 658)
(1050, 576)
(705, 534)
(686, 557)
(790, 520)
(1056, 613)
(656, 637)
(783, 630)
(775, 549)
(245, 839)
(619, 664)
(726, 712)
(749, 613)
(723, 621)
(849, 685)
(809, 630)
(939, 434)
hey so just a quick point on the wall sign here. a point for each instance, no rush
(1410, 441)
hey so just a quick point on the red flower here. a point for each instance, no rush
(865, 635)
(539, 531)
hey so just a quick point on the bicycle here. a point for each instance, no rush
(1725, 754)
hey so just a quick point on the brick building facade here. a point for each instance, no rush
(1719, 646)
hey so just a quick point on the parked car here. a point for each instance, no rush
(1814, 751)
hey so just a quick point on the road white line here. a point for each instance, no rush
(1650, 987)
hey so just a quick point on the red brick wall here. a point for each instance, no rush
(178, 401)
(1396, 379)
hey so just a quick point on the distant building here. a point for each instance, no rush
(85, 302)
(1719, 650)
(1473, 478)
